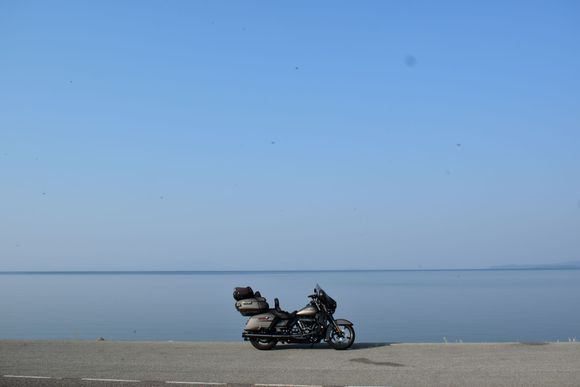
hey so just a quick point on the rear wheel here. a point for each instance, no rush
(343, 340)
(263, 344)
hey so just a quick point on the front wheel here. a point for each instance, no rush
(263, 344)
(341, 341)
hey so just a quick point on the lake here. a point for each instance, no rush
(385, 306)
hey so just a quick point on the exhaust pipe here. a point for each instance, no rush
(266, 336)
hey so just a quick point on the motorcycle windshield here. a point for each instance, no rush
(326, 299)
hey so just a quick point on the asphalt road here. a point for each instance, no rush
(87, 363)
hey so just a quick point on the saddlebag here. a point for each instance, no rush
(252, 306)
(243, 293)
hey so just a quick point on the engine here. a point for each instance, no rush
(305, 326)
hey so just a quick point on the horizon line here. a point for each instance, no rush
(555, 267)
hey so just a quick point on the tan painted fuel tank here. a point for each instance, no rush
(308, 310)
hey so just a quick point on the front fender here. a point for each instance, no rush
(343, 321)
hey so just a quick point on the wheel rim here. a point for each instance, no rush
(346, 336)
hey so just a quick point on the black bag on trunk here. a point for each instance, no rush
(243, 293)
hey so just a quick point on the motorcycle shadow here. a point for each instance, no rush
(325, 346)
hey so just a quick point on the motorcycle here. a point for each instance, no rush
(311, 324)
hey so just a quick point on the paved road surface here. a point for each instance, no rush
(87, 363)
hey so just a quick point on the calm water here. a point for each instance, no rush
(407, 306)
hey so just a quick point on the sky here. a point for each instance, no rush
(222, 135)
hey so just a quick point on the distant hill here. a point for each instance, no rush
(559, 265)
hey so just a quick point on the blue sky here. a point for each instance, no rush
(288, 135)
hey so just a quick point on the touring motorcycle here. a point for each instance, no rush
(311, 324)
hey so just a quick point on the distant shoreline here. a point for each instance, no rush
(218, 272)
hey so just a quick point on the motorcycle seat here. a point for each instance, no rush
(281, 313)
